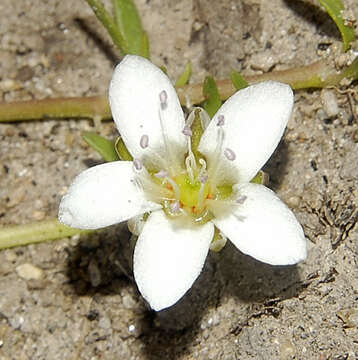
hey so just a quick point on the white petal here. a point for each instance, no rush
(104, 195)
(255, 119)
(168, 257)
(135, 104)
(264, 227)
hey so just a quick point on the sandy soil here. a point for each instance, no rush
(70, 299)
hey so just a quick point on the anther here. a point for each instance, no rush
(144, 141)
(163, 97)
(187, 131)
(203, 179)
(221, 120)
(175, 206)
(230, 155)
(162, 174)
(241, 199)
(137, 164)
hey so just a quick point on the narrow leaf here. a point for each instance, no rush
(238, 81)
(130, 26)
(212, 96)
(335, 9)
(108, 22)
(102, 145)
(185, 76)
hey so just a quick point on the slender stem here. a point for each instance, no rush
(317, 75)
(108, 22)
(19, 235)
(74, 107)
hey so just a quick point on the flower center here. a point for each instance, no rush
(193, 190)
(191, 193)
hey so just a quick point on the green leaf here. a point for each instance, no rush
(335, 9)
(102, 145)
(238, 81)
(130, 26)
(261, 178)
(212, 96)
(185, 76)
(108, 22)
(122, 151)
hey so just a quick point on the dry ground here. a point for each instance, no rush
(73, 300)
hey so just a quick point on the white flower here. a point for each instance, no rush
(186, 200)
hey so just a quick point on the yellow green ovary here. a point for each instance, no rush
(189, 192)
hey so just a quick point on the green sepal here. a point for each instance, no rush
(218, 242)
(122, 151)
(128, 21)
(238, 81)
(164, 69)
(335, 9)
(212, 96)
(197, 131)
(102, 145)
(145, 45)
(261, 178)
(185, 76)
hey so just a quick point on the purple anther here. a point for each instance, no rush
(241, 199)
(163, 97)
(144, 141)
(221, 120)
(187, 131)
(162, 174)
(230, 155)
(175, 206)
(137, 164)
(203, 179)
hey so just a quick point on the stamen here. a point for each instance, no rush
(201, 197)
(145, 182)
(214, 165)
(229, 154)
(187, 131)
(138, 164)
(203, 179)
(172, 161)
(221, 120)
(163, 97)
(241, 199)
(202, 171)
(189, 161)
(175, 206)
(144, 141)
(162, 174)
(175, 187)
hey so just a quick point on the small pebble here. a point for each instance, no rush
(94, 273)
(131, 328)
(29, 272)
(293, 201)
(104, 323)
(329, 102)
(38, 215)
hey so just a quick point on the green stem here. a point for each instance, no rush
(108, 22)
(317, 75)
(20, 235)
(75, 107)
